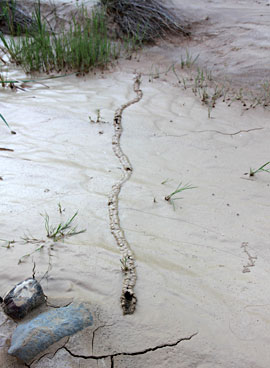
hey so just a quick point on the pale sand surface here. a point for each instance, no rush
(190, 260)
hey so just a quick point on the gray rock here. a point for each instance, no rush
(23, 298)
(32, 337)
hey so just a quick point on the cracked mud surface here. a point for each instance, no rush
(190, 260)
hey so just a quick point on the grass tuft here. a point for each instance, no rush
(188, 61)
(54, 234)
(180, 188)
(62, 230)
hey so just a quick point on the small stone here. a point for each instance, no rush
(23, 298)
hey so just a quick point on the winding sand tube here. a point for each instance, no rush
(128, 298)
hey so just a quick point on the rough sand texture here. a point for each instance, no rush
(231, 37)
(198, 306)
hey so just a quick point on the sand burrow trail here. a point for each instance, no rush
(128, 298)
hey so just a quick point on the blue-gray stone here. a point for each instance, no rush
(32, 337)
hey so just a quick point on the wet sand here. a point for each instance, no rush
(202, 265)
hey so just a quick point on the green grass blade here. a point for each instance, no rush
(4, 120)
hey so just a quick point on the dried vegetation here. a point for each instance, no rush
(145, 20)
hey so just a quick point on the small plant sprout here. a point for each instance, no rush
(260, 169)
(188, 61)
(60, 208)
(99, 119)
(4, 120)
(62, 230)
(180, 188)
(124, 265)
(7, 243)
(165, 181)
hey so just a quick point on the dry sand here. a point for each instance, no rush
(203, 266)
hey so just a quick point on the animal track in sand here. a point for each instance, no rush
(128, 298)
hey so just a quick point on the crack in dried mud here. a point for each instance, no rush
(128, 298)
(53, 355)
(209, 131)
(93, 336)
(223, 133)
(142, 352)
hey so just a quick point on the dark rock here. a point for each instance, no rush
(32, 337)
(24, 297)
(13, 18)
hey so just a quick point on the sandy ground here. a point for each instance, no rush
(203, 264)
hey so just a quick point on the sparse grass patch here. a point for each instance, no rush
(210, 89)
(61, 231)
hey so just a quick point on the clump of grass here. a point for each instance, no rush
(145, 20)
(207, 89)
(83, 46)
(263, 168)
(180, 188)
(62, 230)
(54, 234)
